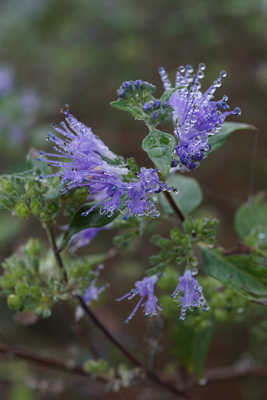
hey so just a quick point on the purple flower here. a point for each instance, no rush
(147, 107)
(29, 102)
(84, 160)
(6, 79)
(190, 292)
(143, 288)
(93, 292)
(83, 238)
(139, 193)
(196, 115)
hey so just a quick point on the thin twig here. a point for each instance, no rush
(59, 260)
(150, 374)
(43, 361)
(174, 206)
(239, 249)
(235, 372)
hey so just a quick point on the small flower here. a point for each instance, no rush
(120, 92)
(140, 192)
(155, 115)
(6, 79)
(29, 102)
(147, 107)
(196, 115)
(138, 83)
(192, 296)
(83, 238)
(93, 292)
(156, 104)
(143, 288)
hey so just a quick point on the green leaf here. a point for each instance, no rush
(124, 105)
(160, 146)
(93, 220)
(251, 263)
(20, 391)
(217, 140)
(192, 345)
(230, 275)
(9, 228)
(120, 104)
(188, 197)
(252, 215)
(201, 347)
(96, 366)
(39, 167)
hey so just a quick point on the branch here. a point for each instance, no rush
(174, 206)
(239, 249)
(52, 241)
(150, 374)
(43, 361)
(239, 370)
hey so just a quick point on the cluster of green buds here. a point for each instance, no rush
(137, 98)
(135, 88)
(157, 110)
(25, 194)
(28, 285)
(32, 282)
(179, 247)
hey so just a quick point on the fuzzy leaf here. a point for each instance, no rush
(124, 105)
(192, 345)
(160, 146)
(217, 140)
(230, 275)
(120, 104)
(252, 215)
(93, 220)
(188, 197)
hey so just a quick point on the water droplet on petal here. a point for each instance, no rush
(189, 68)
(202, 66)
(237, 111)
(223, 74)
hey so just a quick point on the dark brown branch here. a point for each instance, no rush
(43, 361)
(239, 249)
(150, 374)
(60, 264)
(239, 370)
(174, 206)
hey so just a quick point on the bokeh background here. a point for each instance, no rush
(78, 52)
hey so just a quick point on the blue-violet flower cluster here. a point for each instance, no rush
(188, 289)
(196, 115)
(190, 293)
(145, 290)
(83, 238)
(93, 292)
(84, 160)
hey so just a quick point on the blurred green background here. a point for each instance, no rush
(78, 52)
